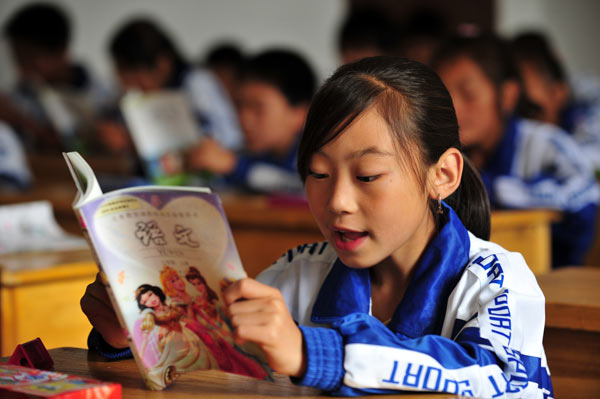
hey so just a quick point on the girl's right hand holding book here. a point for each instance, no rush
(97, 307)
(259, 314)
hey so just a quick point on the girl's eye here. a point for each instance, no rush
(316, 175)
(367, 179)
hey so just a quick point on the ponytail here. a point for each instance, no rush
(471, 203)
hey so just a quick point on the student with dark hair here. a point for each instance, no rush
(146, 59)
(55, 101)
(523, 163)
(404, 295)
(365, 32)
(574, 106)
(276, 88)
(226, 60)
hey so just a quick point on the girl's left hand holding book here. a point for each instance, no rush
(259, 314)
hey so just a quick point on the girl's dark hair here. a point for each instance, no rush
(142, 289)
(417, 107)
(495, 58)
(140, 42)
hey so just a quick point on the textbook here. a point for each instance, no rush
(165, 254)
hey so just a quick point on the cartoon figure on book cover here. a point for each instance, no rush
(203, 322)
(164, 340)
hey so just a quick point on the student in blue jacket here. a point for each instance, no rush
(523, 163)
(405, 294)
(276, 87)
(573, 104)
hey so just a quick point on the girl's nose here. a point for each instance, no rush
(341, 198)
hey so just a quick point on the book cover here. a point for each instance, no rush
(166, 253)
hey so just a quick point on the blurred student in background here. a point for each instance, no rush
(365, 32)
(275, 91)
(572, 105)
(55, 101)
(226, 60)
(146, 59)
(14, 171)
(423, 33)
(523, 163)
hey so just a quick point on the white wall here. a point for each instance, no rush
(572, 25)
(308, 26)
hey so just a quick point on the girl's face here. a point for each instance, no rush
(476, 101)
(177, 283)
(367, 205)
(149, 299)
(198, 285)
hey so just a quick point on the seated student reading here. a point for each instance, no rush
(275, 91)
(523, 163)
(55, 102)
(573, 105)
(406, 294)
(146, 59)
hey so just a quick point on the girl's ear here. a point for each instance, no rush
(445, 175)
(509, 95)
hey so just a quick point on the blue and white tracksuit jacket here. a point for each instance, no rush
(266, 173)
(471, 321)
(537, 165)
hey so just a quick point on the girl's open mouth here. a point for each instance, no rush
(349, 240)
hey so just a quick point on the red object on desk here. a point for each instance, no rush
(18, 382)
(32, 354)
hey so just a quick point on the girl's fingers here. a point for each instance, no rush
(269, 305)
(247, 288)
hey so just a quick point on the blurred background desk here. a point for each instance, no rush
(264, 227)
(39, 297)
(572, 335)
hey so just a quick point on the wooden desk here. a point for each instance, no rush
(528, 232)
(199, 384)
(39, 297)
(572, 335)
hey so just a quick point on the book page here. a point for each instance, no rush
(166, 255)
(160, 123)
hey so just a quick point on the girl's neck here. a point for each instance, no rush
(391, 277)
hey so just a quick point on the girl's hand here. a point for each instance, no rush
(259, 314)
(99, 311)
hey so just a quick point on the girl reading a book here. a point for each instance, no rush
(193, 317)
(163, 340)
(406, 294)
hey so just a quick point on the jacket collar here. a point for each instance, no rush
(422, 309)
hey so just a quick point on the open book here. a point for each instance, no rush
(161, 124)
(166, 253)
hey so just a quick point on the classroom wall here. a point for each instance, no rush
(572, 25)
(307, 25)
